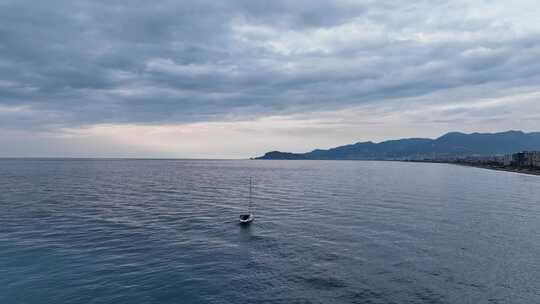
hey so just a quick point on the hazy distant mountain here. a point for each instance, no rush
(453, 144)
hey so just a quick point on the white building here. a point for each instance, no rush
(508, 159)
(535, 159)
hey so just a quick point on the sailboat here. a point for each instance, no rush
(247, 218)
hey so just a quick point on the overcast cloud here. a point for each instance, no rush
(175, 78)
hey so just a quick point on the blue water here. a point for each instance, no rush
(166, 231)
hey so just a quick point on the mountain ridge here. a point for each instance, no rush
(449, 145)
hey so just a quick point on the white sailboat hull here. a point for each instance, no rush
(246, 218)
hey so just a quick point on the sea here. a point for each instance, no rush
(167, 231)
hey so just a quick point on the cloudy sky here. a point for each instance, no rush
(229, 79)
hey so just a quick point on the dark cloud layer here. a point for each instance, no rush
(86, 62)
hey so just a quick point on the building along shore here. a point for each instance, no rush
(527, 162)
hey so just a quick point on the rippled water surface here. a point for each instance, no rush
(166, 231)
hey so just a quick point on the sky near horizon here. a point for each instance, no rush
(234, 79)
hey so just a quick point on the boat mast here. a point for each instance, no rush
(250, 194)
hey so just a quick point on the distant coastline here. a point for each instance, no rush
(515, 169)
(453, 145)
(513, 151)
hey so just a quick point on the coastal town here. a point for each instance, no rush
(524, 162)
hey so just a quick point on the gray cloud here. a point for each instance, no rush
(93, 62)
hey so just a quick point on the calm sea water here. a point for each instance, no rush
(166, 231)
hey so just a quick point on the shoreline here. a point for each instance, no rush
(528, 171)
(522, 170)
